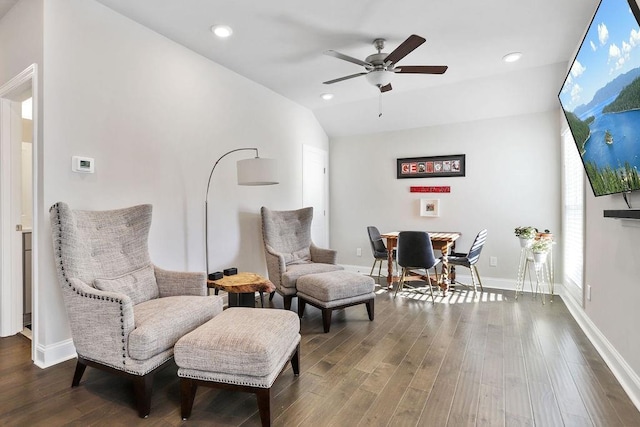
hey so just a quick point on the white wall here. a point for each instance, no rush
(156, 116)
(612, 269)
(20, 38)
(512, 178)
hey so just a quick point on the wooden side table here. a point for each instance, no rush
(242, 287)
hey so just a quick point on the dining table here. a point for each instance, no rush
(443, 241)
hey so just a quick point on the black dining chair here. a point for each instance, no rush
(415, 254)
(378, 249)
(469, 260)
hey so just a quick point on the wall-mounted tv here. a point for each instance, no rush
(600, 98)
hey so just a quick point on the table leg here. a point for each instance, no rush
(389, 265)
(245, 299)
(446, 281)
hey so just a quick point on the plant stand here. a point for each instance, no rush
(523, 267)
(543, 277)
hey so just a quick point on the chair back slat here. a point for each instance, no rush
(415, 250)
(476, 247)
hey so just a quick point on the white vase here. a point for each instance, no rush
(525, 243)
(539, 257)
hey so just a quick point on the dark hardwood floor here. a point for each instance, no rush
(458, 362)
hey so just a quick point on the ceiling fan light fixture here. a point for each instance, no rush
(512, 57)
(379, 78)
(222, 31)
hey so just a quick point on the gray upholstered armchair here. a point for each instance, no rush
(125, 313)
(290, 252)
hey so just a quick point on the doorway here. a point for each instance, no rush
(315, 181)
(18, 190)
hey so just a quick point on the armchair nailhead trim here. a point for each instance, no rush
(63, 274)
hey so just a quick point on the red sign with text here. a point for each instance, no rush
(440, 189)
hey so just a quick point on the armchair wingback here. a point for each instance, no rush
(125, 314)
(290, 252)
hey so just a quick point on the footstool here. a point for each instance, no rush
(243, 349)
(334, 290)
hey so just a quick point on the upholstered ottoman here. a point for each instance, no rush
(334, 290)
(241, 349)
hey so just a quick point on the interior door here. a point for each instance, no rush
(315, 183)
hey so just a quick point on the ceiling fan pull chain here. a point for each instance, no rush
(380, 105)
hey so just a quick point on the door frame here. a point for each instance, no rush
(11, 321)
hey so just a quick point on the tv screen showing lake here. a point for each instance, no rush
(614, 139)
(601, 98)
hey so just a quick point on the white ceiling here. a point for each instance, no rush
(279, 44)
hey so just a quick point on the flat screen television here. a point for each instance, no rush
(600, 98)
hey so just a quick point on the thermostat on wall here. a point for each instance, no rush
(82, 164)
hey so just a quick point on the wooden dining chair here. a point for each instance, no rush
(416, 257)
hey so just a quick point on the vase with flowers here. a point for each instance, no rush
(540, 248)
(526, 235)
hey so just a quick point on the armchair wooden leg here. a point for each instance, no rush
(187, 395)
(143, 387)
(301, 305)
(288, 299)
(326, 319)
(370, 308)
(264, 405)
(271, 295)
(77, 376)
(295, 361)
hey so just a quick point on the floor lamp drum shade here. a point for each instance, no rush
(257, 171)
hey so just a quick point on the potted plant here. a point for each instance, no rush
(526, 235)
(540, 248)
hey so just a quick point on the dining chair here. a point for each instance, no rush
(415, 253)
(378, 249)
(469, 260)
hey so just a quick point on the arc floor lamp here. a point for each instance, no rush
(255, 171)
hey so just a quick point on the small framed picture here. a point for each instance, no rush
(430, 207)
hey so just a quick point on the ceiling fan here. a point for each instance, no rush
(381, 66)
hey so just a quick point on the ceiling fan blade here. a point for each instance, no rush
(343, 78)
(385, 88)
(404, 49)
(347, 58)
(422, 69)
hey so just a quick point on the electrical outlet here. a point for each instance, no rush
(493, 261)
(359, 251)
(589, 292)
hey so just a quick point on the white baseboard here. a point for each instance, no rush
(53, 354)
(628, 379)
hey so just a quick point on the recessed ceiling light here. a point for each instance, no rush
(222, 31)
(326, 96)
(512, 57)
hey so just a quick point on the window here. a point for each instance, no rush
(573, 216)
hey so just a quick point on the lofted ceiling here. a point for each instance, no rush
(280, 43)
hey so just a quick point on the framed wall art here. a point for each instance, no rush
(431, 167)
(430, 207)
